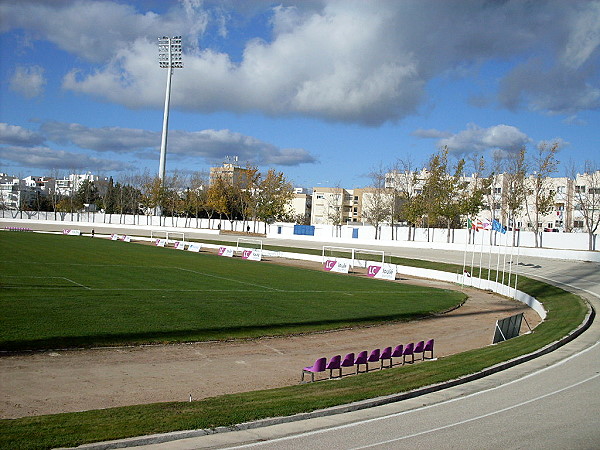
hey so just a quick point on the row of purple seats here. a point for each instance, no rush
(364, 358)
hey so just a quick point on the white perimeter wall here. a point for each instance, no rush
(555, 245)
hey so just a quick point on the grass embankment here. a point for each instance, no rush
(565, 312)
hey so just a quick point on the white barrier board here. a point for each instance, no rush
(341, 266)
(226, 251)
(114, 237)
(252, 255)
(195, 247)
(126, 238)
(386, 272)
(72, 232)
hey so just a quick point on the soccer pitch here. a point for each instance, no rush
(67, 291)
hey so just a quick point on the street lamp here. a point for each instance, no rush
(169, 57)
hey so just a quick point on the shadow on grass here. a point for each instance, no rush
(204, 334)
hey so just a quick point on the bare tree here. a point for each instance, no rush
(514, 190)
(377, 200)
(540, 198)
(586, 200)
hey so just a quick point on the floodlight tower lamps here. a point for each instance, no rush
(169, 57)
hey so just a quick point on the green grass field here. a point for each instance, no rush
(66, 291)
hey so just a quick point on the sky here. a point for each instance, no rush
(325, 91)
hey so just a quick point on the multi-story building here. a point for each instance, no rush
(70, 185)
(11, 191)
(229, 172)
(300, 206)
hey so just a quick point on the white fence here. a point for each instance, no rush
(435, 237)
(130, 219)
(347, 234)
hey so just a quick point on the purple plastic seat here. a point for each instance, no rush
(409, 350)
(361, 358)
(397, 353)
(348, 361)
(386, 354)
(373, 357)
(334, 364)
(419, 348)
(428, 348)
(318, 366)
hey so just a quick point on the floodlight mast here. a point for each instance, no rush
(169, 57)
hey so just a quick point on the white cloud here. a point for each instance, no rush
(431, 133)
(474, 139)
(105, 139)
(210, 145)
(339, 60)
(28, 81)
(47, 158)
(16, 135)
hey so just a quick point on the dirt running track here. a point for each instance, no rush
(77, 380)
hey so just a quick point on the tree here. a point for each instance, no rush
(216, 199)
(274, 194)
(473, 196)
(408, 205)
(514, 191)
(87, 194)
(335, 207)
(246, 194)
(586, 199)
(540, 200)
(377, 201)
(443, 193)
(195, 198)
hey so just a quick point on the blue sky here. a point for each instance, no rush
(324, 90)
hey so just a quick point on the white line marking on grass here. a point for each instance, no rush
(44, 278)
(225, 278)
(173, 268)
(74, 282)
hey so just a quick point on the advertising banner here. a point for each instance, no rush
(72, 232)
(195, 247)
(385, 272)
(114, 237)
(226, 251)
(180, 245)
(252, 255)
(126, 238)
(332, 265)
(160, 242)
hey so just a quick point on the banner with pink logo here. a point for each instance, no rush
(252, 255)
(385, 272)
(114, 237)
(160, 242)
(180, 245)
(340, 266)
(72, 232)
(226, 251)
(126, 238)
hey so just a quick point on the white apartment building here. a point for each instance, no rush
(69, 185)
(300, 206)
(564, 215)
(336, 206)
(11, 191)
